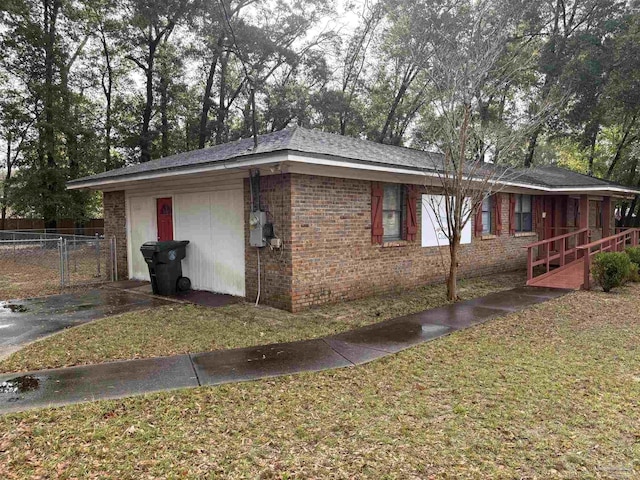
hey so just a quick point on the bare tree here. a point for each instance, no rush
(468, 56)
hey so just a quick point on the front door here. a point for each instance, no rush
(165, 219)
(549, 220)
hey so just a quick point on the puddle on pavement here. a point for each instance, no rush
(23, 384)
(401, 332)
(83, 306)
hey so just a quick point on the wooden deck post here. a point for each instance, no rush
(587, 270)
(606, 217)
(584, 211)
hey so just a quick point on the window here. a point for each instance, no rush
(523, 215)
(487, 215)
(392, 212)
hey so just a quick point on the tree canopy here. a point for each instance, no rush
(89, 85)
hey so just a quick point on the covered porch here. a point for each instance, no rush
(557, 215)
(572, 229)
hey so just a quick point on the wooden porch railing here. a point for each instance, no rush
(567, 244)
(614, 243)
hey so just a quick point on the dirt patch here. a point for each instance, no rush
(36, 272)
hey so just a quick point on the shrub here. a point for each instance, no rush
(634, 254)
(634, 273)
(611, 269)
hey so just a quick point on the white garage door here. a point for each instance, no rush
(213, 222)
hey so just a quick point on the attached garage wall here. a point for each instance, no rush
(142, 228)
(213, 223)
(210, 217)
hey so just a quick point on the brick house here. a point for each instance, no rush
(345, 218)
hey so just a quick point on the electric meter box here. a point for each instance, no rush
(257, 227)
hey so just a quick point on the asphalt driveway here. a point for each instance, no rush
(23, 321)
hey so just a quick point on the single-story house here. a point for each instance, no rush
(310, 217)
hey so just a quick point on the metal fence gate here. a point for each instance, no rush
(67, 260)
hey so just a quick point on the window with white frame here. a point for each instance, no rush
(392, 212)
(487, 215)
(523, 216)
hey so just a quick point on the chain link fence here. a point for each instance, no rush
(34, 260)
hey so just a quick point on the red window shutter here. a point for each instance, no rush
(512, 214)
(478, 222)
(377, 230)
(412, 213)
(497, 208)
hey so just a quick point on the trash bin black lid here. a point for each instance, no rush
(164, 246)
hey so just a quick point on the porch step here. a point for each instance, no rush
(569, 276)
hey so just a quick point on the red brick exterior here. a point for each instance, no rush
(115, 226)
(275, 265)
(327, 256)
(333, 258)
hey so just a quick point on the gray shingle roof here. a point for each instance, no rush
(296, 139)
(317, 142)
(552, 176)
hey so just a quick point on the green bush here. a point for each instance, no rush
(634, 254)
(611, 269)
(634, 273)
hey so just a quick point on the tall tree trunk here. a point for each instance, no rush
(222, 95)
(592, 131)
(406, 82)
(531, 148)
(107, 89)
(49, 209)
(628, 219)
(207, 103)
(5, 185)
(164, 119)
(107, 130)
(620, 147)
(145, 135)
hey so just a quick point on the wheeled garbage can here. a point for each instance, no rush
(164, 260)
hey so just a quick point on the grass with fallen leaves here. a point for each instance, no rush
(551, 392)
(180, 328)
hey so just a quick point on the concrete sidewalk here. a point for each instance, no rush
(24, 321)
(133, 377)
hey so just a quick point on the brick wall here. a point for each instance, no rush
(115, 225)
(275, 265)
(333, 258)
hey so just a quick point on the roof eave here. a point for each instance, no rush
(263, 159)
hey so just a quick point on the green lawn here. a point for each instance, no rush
(550, 392)
(186, 328)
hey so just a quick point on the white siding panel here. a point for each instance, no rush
(193, 223)
(212, 219)
(227, 227)
(142, 228)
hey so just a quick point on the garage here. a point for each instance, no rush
(211, 219)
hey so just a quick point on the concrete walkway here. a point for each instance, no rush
(133, 377)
